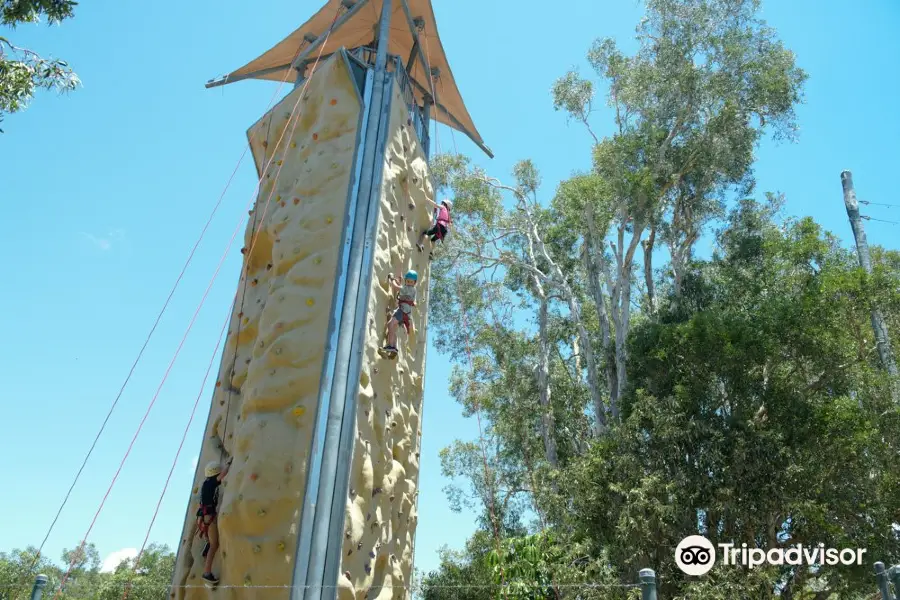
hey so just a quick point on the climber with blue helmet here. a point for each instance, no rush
(442, 221)
(406, 300)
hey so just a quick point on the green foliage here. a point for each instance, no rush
(22, 71)
(755, 409)
(148, 580)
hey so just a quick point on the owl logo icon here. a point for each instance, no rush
(695, 555)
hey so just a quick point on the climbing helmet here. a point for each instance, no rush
(212, 469)
(411, 275)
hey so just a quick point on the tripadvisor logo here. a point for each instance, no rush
(695, 555)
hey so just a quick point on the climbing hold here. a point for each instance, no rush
(240, 314)
(349, 552)
(328, 220)
(376, 491)
(296, 201)
(368, 517)
(317, 260)
(368, 569)
(278, 198)
(283, 204)
(248, 581)
(218, 384)
(315, 136)
(268, 266)
(196, 490)
(253, 476)
(281, 546)
(359, 546)
(293, 144)
(298, 411)
(411, 206)
(279, 163)
(221, 403)
(265, 144)
(244, 250)
(371, 554)
(254, 282)
(310, 301)
(352, 492)
(257, 549)
(261, 512)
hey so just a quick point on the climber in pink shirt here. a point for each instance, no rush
(441, 225)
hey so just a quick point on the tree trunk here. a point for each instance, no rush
(648, 269)
(548, 426)
(622, 300)
(559, 280)
(593, 249)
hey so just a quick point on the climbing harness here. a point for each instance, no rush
(202, 524)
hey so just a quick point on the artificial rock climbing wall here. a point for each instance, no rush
(264, 408)
(380, 519)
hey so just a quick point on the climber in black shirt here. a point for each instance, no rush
(206, 515)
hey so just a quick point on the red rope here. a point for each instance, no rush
(150, 335)
(177, 453)
(225, 324)
(184, 338)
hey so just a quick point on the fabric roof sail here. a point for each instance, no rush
(357, 26)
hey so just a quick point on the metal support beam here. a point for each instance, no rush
(337, 25)
(325, 549)
(413, 29)
(426, 124)
(458, 126)
(412, 56)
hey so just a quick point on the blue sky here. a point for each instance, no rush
(106, 190)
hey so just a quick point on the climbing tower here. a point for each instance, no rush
(324, 434)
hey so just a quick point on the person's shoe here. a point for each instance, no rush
(421, 247)
(210, 578)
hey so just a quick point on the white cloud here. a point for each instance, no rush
(194, 462)
(115, 558)
(106, 242)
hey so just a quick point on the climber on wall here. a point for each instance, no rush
(206, 515)
(441, 226)
(406, 299)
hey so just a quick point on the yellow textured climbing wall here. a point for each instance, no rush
(381, 516)
(264, 406)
